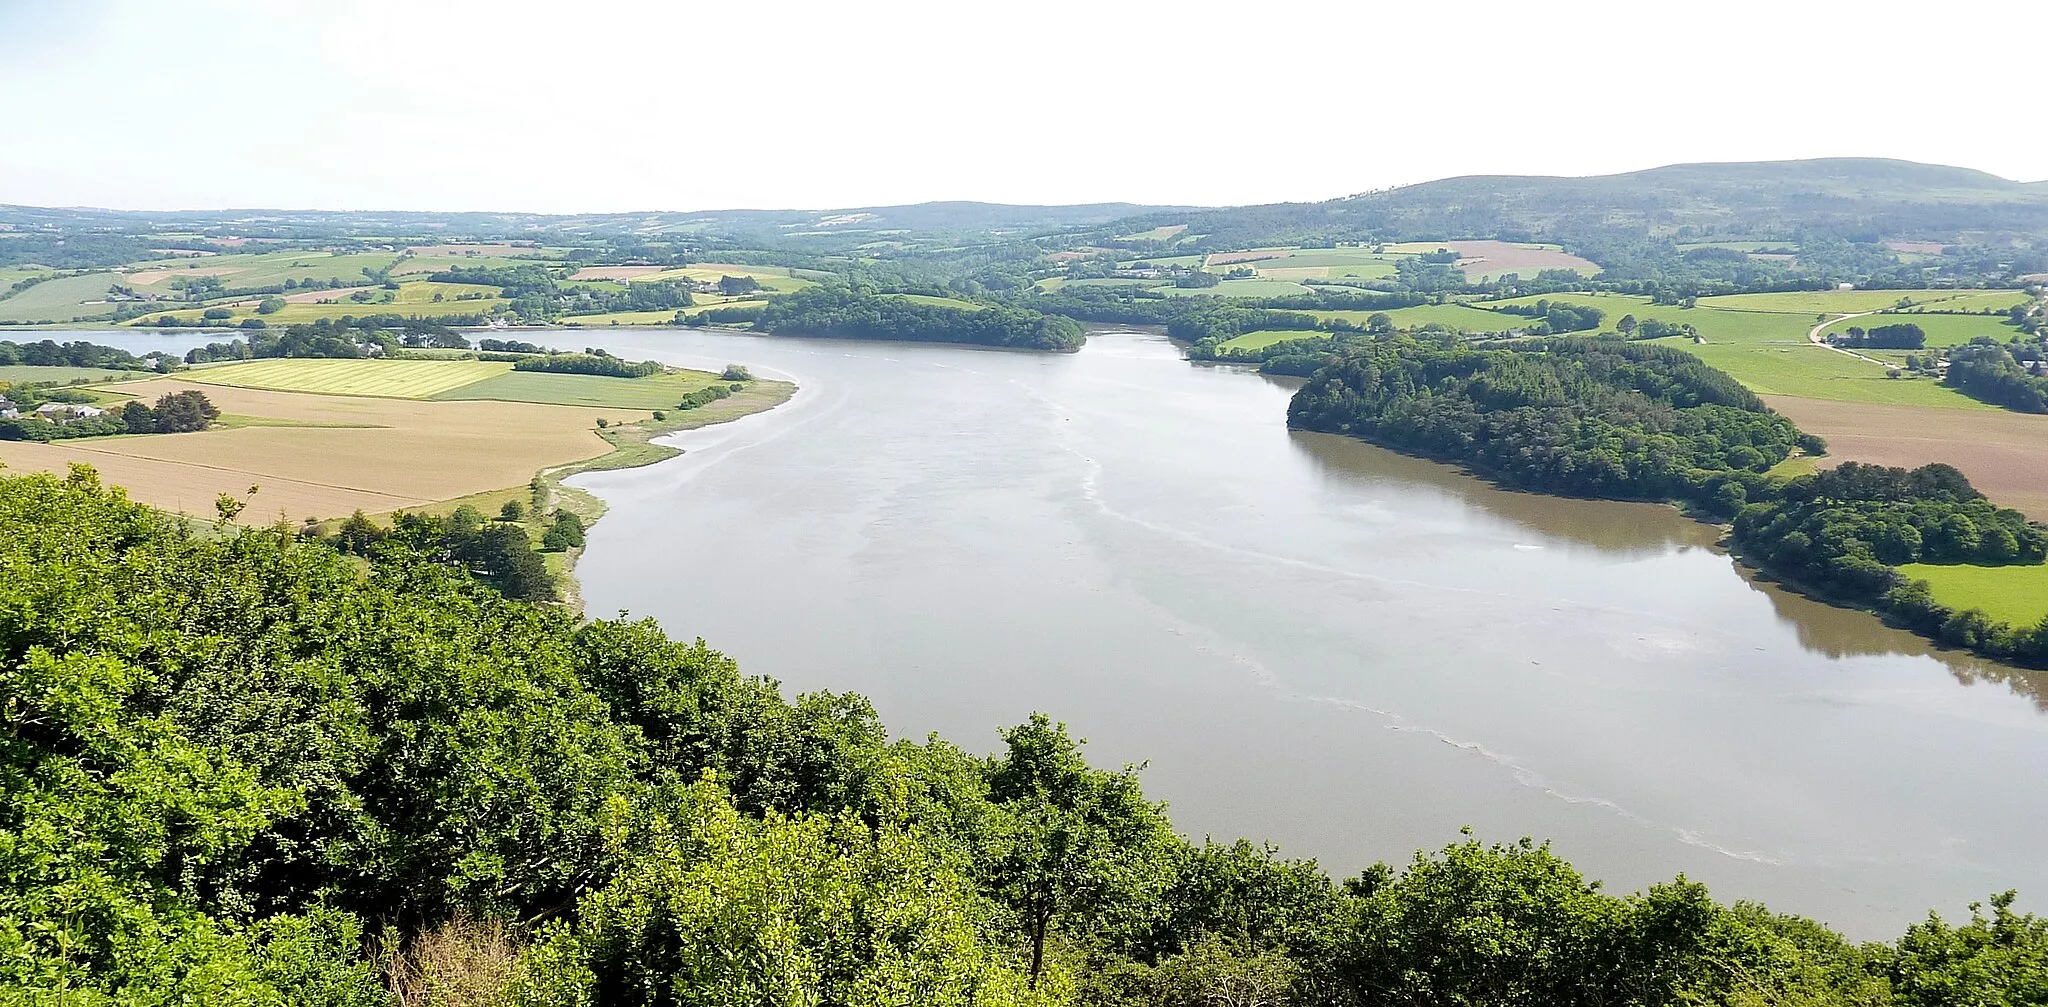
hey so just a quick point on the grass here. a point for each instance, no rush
(411, 298)
(259, 269)
(666, 316)
(1814, 302)
(61, 300)
(22, 374)
(1457, 317)
(1942, 330)
(1995, 300)
(942, 302)
(1816, 372)
(1241, 288)
(396, 379)
(1267, 337)
(775, 279)
(1163, 232)
(661, 391)
(2017, 595)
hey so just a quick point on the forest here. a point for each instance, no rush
(244, 768)
(1610, 419)
(839, 312)
(1573, 416)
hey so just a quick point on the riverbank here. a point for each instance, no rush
(633, 446)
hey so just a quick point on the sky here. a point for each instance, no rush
(594, 106)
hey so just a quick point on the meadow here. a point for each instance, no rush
(257, 269)
(661, 391)
(61, 300)
(413, 297)
(24, 373)
(1817, 302)
(942, 302)
(399, 379)
(1457, 317)
(1267, 337)
(1942, 330)
(2017, 595)
(1240, 288)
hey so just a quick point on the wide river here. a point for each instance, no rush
(1313, 641)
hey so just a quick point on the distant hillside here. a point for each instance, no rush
(1861, 199)
(917, 221)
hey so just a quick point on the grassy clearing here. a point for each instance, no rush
(775, 279)
(1814, 302)
(421, 265)
(61, 300)
(11, 275)
(1164, 232)
(1816, 372)
(1241, 288)
(258, 269)
(663, 317)
(397, 379)
(22, 374)
(942, 302)
(1188, 261)
(411, 298)
(1267, 337)
(2011, 594)
(1456, 317)
(1989, 300)
(661, 391)
(1942, 330)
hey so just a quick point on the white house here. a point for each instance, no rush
(65, 412)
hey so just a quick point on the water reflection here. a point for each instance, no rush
(1630, 530)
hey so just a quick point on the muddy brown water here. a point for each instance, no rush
(1313, 641)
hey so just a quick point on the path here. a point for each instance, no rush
(1813, 336)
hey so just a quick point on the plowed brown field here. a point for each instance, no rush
(2005, 454)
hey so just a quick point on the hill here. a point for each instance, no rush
(1855, 198)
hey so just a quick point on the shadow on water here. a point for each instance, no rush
(1624, 529)
(1844, 632)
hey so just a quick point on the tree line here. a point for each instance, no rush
(1620, 420)
(245, 769)
(840, 312)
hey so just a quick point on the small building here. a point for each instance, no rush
(8, 410)
(66, 412)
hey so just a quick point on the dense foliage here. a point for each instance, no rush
(596, 362)
(1580, 417)
(234, 758)
(50, 353)
(841, 313)
(1898, 336)
(1993, 373)
(175, 413)
(1845, 529)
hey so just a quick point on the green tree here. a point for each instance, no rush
(270, 305)
(564, 532)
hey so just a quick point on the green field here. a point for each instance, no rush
(61, 300)
(1814, 302)
(1267, 337)
(942, 302)
(413, 297)
(664, 317)
(1942, 330)
(661, 391)
(1240, 288)
(2017, 595)
(1994, 300)
(10, 275)
(418, 265)
(1164, 232)
(260, 269)
(24, 374)
(392, 379)
(1816, 372)
(1457, 317)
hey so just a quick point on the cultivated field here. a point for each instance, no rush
(1164, 232)
(2000, 451)
(1942, 330)
(661, 391)
(1488, 259)
(2010, 594)
(259, 269)
(614, 272)
(775, 279)
(1814, 302)
(377, 454)
(60, 300)
(21, 374)
(1267, 337)
(1240, 288)
(400, 379)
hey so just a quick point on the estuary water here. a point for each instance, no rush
(1313, 641)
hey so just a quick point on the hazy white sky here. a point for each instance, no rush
(591, 105)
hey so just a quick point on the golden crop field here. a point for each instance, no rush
(399, 379)
(339, 452)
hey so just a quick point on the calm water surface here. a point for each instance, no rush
(1314, 641)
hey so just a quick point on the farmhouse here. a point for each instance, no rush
(8, 410)
(65, 412)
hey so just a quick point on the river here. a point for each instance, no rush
(1313, 641)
